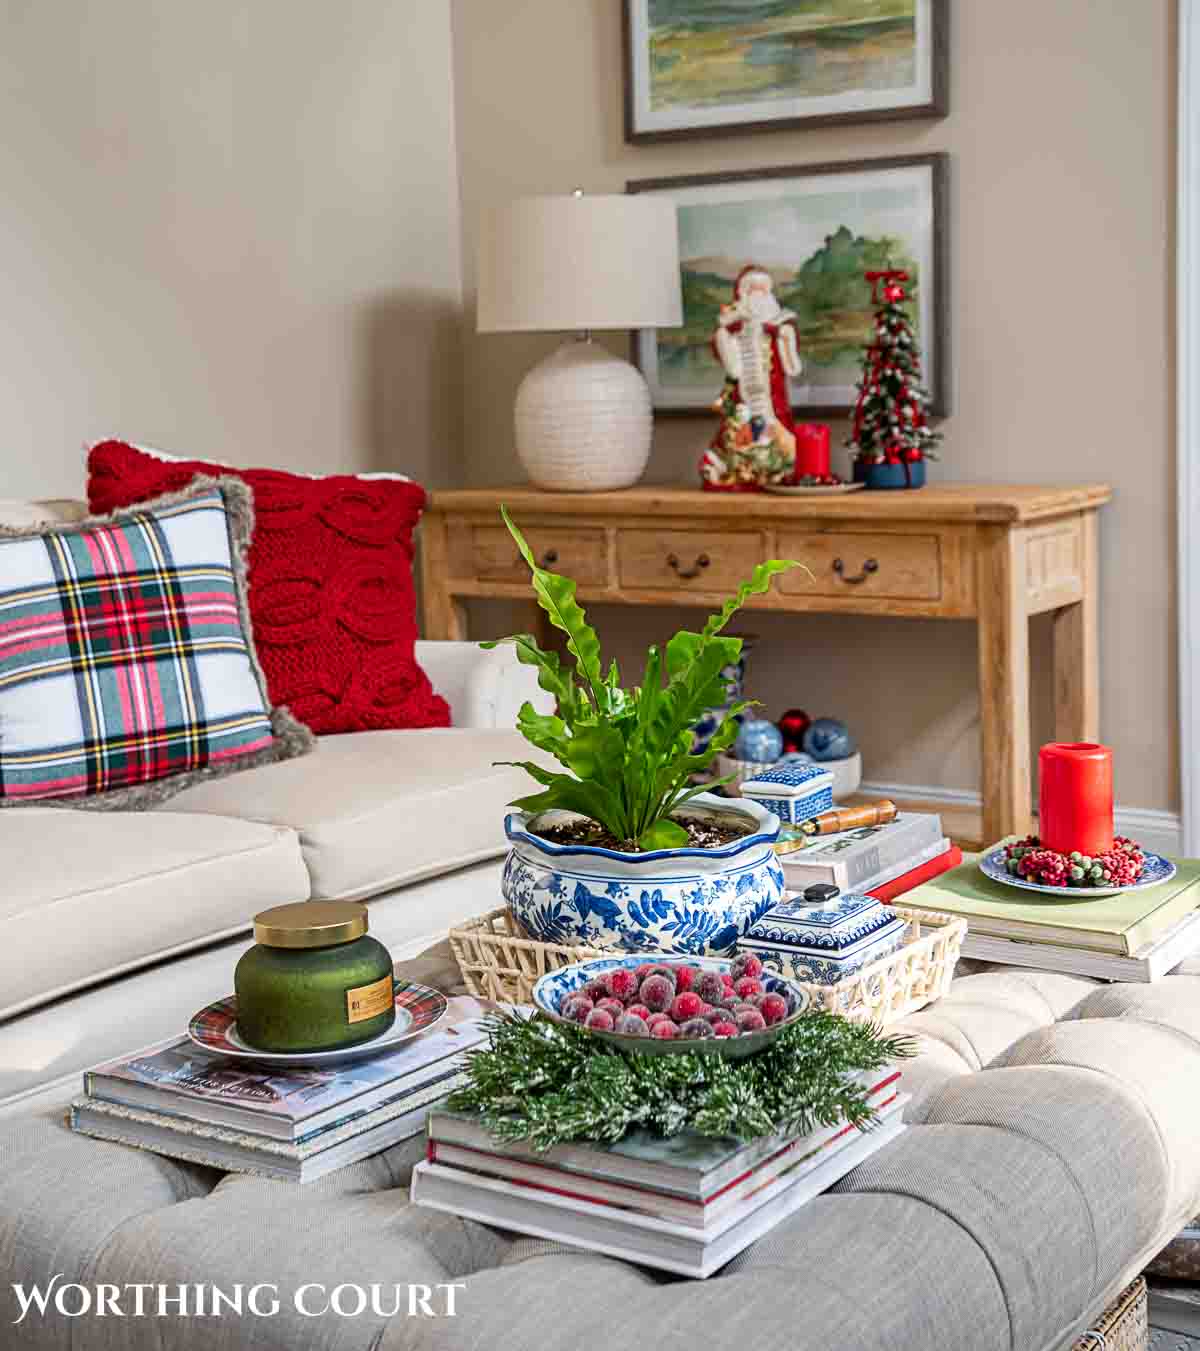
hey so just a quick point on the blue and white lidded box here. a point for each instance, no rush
(794, 791)
(823, 936)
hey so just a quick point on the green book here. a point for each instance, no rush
(1120, 924)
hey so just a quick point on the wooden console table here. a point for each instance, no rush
(996, 554)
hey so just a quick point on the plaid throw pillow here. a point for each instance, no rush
(127, 666)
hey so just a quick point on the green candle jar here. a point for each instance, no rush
(314, 981)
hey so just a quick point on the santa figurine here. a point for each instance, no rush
(755, 342)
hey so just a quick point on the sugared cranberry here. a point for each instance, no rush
(576, 1007)
(621, 983)
(746, 964)
(773, 1008)
(656, 993)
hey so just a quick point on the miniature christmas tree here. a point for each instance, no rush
(890, 420)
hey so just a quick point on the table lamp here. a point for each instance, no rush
(583, 416)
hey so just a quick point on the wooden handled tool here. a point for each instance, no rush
(850, 818)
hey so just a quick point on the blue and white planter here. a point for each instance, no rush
(694, 901)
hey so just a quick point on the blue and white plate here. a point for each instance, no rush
(1156, 871)
(555, 986)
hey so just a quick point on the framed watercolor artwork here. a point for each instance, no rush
(704, 67)
(815, 229)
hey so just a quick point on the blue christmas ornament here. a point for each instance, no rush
(829, 739)
(760, 742)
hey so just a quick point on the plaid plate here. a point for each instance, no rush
(215, 1028)
(122, 655)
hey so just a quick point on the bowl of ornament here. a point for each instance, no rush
(672, 1006)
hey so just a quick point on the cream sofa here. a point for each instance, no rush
(115, 927)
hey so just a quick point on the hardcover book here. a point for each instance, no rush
(851, 857)
(1119, 925)
(336, 1145)
(178, 1078)
(646, 1239)
(688, 1166)
(905, 882)
(567, 1170)
(1161, 955)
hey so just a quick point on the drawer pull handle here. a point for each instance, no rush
(686, 574)
(547, 560)
(871, 565)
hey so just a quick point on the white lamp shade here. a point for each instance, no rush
(560, 263)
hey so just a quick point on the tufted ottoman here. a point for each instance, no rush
(1052, 1152)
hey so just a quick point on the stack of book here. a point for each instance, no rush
(1133, 935)
(884, 861)
(297, 1124)
(687, 1204)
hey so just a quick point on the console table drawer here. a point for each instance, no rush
(900, 567)
(577, 553)
(698, 560)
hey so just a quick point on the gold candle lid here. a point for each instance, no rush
(310, 924)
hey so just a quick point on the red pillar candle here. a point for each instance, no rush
(812, 450)
(1076, 801)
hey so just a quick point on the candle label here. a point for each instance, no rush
(369, 1001)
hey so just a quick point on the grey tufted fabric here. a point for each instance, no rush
(1050, 1154)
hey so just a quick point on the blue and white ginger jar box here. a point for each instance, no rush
(794, 791)
(822, 937)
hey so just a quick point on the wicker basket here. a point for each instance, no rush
(1124, 1325)
(498, 962)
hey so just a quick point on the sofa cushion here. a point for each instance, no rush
(86, 896)
(16, 513)
(44, 1050)
(378, 810)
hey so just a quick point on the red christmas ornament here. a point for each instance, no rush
(794, 723)
(893, 293)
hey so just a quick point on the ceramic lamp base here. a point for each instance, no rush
(583, 420)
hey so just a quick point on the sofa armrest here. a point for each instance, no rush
(483, 689)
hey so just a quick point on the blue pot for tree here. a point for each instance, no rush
(884, 475)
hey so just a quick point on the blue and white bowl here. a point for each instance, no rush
(556, 986)
(688, 901)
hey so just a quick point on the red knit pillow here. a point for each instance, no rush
(331, 588)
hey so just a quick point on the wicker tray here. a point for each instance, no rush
(498, 962)
(1124, 1325)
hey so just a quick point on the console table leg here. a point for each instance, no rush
(1077, 652)
(1003, 682)
(445, 617)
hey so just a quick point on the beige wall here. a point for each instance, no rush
(233, 229)
(1061, 137)
(229, 229)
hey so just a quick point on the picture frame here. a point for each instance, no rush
(815, 228)
(711, 69)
